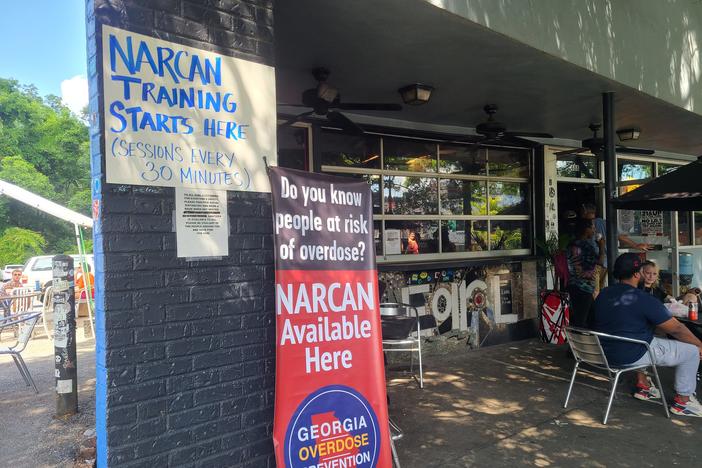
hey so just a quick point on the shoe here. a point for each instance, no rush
(647, 393)
(690, 408)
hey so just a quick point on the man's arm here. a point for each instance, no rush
(680, 332)
(629, 242)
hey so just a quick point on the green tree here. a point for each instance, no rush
(17, 245)
(44, 148)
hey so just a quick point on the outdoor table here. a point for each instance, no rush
(695, 326)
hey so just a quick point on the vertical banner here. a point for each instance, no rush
(330, 400)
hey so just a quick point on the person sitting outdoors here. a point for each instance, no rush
(15, 282)
(626, 311)
(649, 283)
(582, 263)
(80, 282)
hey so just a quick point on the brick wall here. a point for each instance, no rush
(185, 350)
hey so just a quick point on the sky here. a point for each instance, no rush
(42, 42)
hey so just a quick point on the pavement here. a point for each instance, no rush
(502, 406)
(30, 436)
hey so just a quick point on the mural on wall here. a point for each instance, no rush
(475, 299)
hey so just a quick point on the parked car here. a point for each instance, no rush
(39, 269)
(7, 271)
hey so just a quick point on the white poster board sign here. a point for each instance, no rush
(393, 242)
(202, 228)
(176, 116)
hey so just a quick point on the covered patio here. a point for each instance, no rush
(502, 406)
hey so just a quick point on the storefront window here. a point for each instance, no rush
(507, 163)
(410, 195)
(509, 235)
(577, 165)
(666, 168)
(634, 170)
(448, 199)
(339, 149)
(508, 198)
(464, 236)
(408, 155)
(411, 237)
(684, 228)
(292, 147)
(463, 197)
(698, 227)
(462, 159)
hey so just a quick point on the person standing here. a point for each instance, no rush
(583, 260)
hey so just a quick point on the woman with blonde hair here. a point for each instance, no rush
(650, 284)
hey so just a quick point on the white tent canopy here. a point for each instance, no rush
(47, 206)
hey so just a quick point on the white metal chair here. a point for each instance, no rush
(399, 328)
(587, 349)
(26, 323)
(21, 305)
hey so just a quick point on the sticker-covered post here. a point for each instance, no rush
(66, 371)
(330, 401)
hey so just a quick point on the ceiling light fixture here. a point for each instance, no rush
(626, 134)
(416, 94)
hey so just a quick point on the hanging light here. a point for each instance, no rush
(416, 94)
(626, 134)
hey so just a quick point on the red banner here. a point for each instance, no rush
(330, 401)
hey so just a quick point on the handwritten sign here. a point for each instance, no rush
(176, 116)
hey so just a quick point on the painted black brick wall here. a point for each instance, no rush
(185, 350)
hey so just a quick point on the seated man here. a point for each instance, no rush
(626, 311)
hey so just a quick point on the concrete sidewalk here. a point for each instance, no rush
(503, 406)
(29, 434)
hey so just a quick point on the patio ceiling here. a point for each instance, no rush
(374, 47)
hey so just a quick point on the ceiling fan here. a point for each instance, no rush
(595, 145)
(325, 98)
(493, 131)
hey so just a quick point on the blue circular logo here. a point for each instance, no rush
(333, 423)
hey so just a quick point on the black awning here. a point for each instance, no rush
(679, 190)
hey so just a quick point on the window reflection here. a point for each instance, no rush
(508, 198)
(338, 149)
(508, 163)
(577, 165)
(292, 147)
(464, 236)
(411, 237)
(407, 155)
(631, 170)
(410, 195)
(684, 228)
(666, 168)
(466, 197)
(462, 159)
(508, 235)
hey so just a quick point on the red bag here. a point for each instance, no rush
(554, 316)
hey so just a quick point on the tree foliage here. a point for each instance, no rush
(17, 245)
(44, 148)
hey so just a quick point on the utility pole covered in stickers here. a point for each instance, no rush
(330, 400)
(65, 336)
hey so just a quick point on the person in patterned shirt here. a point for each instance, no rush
(583, 260)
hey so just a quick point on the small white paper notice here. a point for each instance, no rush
(201, 223)
(393, 242)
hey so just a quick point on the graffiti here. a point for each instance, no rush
(460, 299)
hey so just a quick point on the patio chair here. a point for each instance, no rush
(587, 349)
(402, 332)
(21, 304)
(26, 323)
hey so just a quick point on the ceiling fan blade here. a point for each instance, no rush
(344, 122)
(529, 134)
(624, 149)
(295, 119)
(574, 151)
(366, 106)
